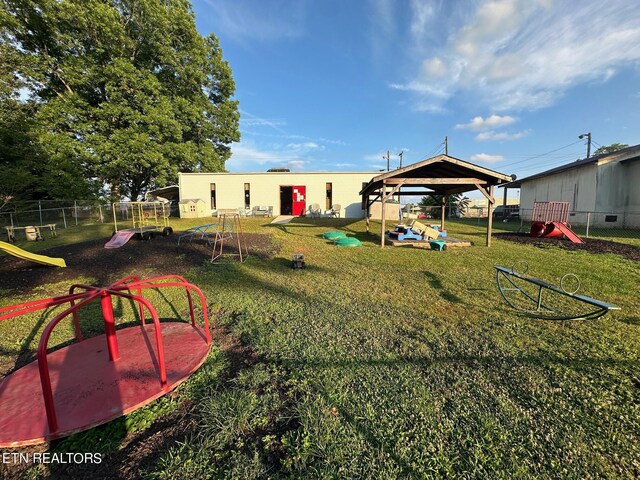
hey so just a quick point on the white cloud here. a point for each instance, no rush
(420, 87)
(435, 67)
(492, 121)
(264, 21)
(296, 164)
(422, 14)
(250, 120)
(343, 164)
(501, 136)
(485, 157)
(522, 54)
(261, 122)
(305, 147)
(248, 157)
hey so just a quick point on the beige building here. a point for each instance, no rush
(606, 187)
(287, 193)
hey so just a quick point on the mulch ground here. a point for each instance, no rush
(158, 256)
(591, 245)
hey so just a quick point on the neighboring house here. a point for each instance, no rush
(289, 193)
(193, 208)
(607, 186)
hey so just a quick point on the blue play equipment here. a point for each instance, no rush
(403, 232)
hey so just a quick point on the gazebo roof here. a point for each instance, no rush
(443, 175)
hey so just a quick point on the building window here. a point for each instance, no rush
(610, 218)
(213, 196)
(192, 208)
(247, 195)
(329, 204)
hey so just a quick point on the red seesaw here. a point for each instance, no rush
(80, 386)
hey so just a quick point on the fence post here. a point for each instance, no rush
(75, 207)
(100, 210)
(11, 218)
(588, 221)
(64, 218)
(40, 210)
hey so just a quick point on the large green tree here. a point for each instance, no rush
(25, 172)
(614, 147)
(456, 204)
(128, 92)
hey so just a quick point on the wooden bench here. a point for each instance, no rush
(11, 231)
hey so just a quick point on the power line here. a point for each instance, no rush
(546, 166)
(539, 155)
(436, 151)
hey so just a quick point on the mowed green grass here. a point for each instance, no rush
(405, 362)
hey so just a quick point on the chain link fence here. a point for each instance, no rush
(621, 227)
(54, 212)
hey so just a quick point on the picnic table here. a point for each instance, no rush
(203, 230)
(11, 231)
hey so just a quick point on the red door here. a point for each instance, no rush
(299, 200)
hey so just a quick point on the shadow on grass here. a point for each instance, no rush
(471, 361)
(630, 320)
(436, 283)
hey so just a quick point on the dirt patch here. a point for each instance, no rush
(591, 245)
(158, 256)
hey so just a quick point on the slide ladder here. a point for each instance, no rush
(567, 232)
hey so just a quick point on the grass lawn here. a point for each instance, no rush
(394, 363)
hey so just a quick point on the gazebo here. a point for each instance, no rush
(440, 175)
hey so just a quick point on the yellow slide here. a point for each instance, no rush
(33, 257)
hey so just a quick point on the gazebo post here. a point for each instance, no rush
(443, 208)
(384, 201)
(491, 202)
(366, 212)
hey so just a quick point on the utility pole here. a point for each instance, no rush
(400, 155)
(446, 146)
(387, 158)
(588, 135)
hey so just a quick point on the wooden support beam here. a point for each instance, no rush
(490, 214)
(487, 194)
(444, 206)
(435, 181)
(366, 214)
(375, 199)
(413, 193)
(384, 201)
(393, 190)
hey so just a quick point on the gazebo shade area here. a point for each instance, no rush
(440, 175)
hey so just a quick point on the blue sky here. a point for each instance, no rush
(333, 85)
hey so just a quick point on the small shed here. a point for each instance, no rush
(440, 175)
(193, 208)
